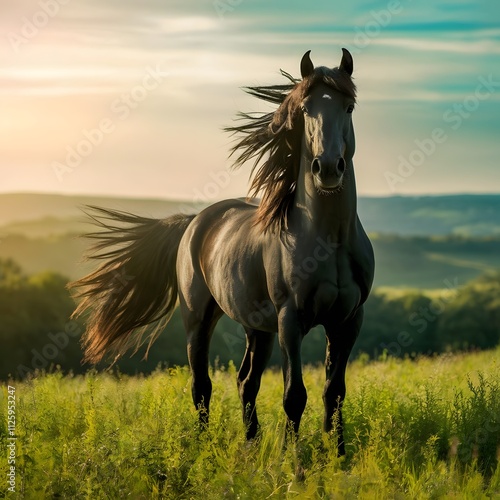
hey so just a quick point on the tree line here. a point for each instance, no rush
(37, 333)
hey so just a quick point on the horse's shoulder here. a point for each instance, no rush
(363, 262)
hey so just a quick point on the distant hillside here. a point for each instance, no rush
(22, 207)
(467, 215)
(427, 262)
(404, 262)
(419, 242)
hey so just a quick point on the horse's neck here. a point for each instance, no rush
(333, 215)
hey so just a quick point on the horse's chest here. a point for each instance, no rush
(329, 300)
(344, 297)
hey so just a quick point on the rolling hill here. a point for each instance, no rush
(419, 241)
(465, 215)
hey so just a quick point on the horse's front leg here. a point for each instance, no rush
(290, 336)
(340, 341)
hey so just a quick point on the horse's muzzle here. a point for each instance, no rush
(328, 175)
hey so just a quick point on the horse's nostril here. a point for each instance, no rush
(341, 165)
(316, 167)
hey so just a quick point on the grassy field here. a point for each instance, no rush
(415, 429)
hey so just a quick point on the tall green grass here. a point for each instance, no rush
(415, 429)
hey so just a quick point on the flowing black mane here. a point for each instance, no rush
(279, 133)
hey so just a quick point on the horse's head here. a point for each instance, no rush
(328, 130)
(310, 128)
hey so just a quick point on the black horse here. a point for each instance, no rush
(300, 258)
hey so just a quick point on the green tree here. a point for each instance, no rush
(472, 319)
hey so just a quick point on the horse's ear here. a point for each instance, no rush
(306, 65)
(347, 63)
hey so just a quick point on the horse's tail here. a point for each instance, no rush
(135, 286)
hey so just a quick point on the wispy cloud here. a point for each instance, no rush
(480, 45)
(64, 77)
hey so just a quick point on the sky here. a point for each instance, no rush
(128, 98)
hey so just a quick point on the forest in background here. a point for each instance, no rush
(436, 289)
(37, 333)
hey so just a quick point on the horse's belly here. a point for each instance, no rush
(243, 296)
(250, 310)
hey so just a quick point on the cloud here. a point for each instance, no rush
(65, 78)
(481, 45)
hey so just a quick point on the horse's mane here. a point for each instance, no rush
(279, 134)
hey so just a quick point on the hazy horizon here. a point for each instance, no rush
(188, 200)
(129, 100)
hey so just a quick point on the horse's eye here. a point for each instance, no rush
(303, 108)
(350, 108)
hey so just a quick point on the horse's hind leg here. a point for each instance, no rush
(199, 326)
(258, 351)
